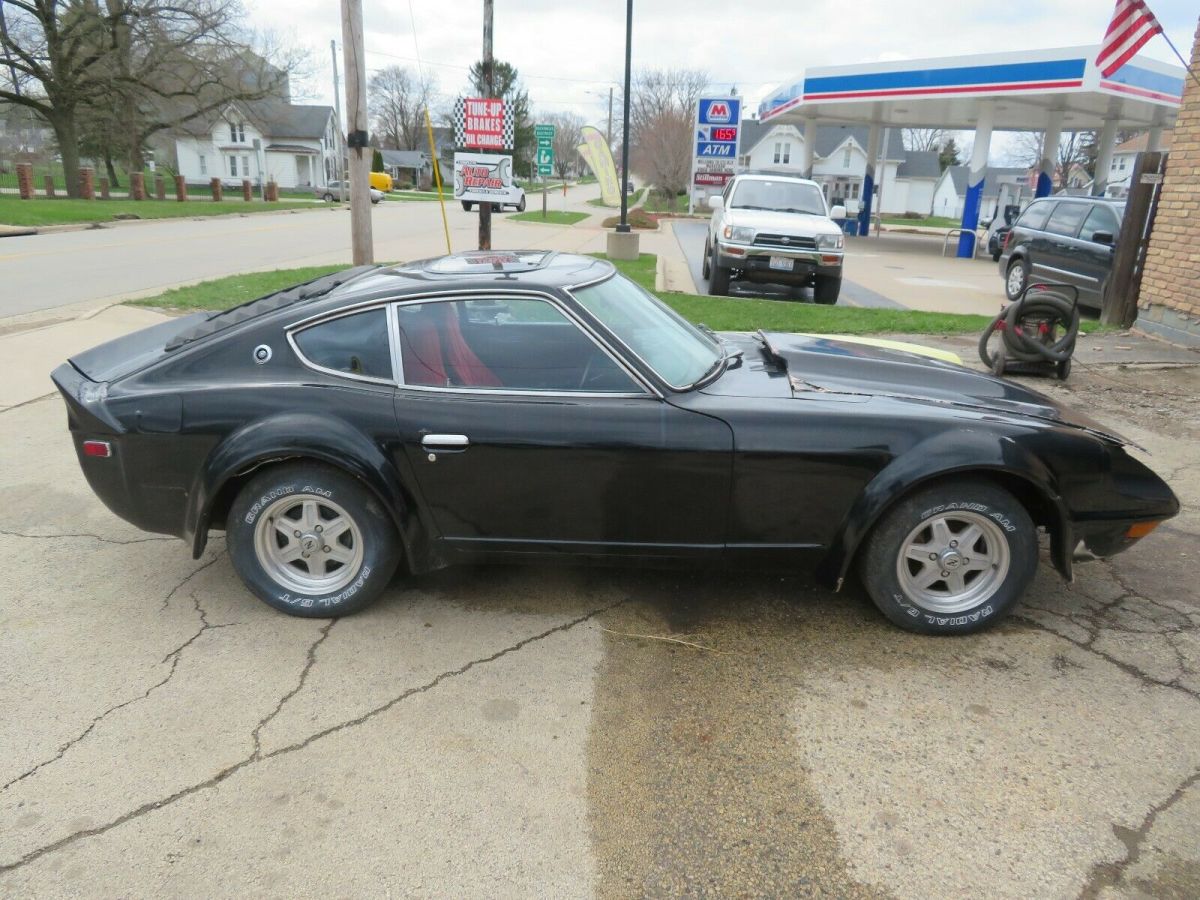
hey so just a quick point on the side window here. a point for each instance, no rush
(1066, 218)
(1101, 218)
(356, 345)
(1035, 215)
(508, 343)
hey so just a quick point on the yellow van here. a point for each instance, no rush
(381, 181)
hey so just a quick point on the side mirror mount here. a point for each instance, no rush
(1102, 237)
(838, 212)
(715, 202)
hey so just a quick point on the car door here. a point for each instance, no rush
(526, 434)
(1057, 259)
(1093, 258)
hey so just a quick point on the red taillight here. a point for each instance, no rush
(1007, 240)
(97, 448)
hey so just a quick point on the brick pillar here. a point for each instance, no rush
(104, 189)
(247, 190)
(87, 183)
(180, 189)
(25, 180)
(137, 186)
(160, 187)
(48, 185)
(217, 189)
(272, 192)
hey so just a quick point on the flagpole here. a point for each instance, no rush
(1187, 67)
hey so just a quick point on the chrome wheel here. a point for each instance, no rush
(1016, 279)
(953, 562)
(308, 544)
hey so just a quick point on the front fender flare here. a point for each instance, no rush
(293, 435)
(937, 458)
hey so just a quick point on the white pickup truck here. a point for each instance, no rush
(774, 229)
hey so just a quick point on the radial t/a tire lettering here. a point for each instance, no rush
(950, 559)
(309, 540)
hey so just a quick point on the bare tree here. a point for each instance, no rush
(567, 138)
(1076, 149)
(924, 138)
(661, 111)
(398, 99)
(140, 66)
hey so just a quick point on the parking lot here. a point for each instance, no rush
(581, 732)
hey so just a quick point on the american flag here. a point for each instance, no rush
(1132, 25)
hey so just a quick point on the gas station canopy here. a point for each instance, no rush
(1024, 88)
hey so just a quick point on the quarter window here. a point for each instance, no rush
(516, 344)
(1066, 218)
(355, 345)
(1101, 218)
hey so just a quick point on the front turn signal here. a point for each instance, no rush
(1141, 529)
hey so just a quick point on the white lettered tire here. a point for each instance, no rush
(950, 559)
(309, 540)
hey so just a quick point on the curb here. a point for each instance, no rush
(115, 223)
(660, 273)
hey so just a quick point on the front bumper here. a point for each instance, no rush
(754, 263)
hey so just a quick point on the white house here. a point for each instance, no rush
(905, 183)
(1001, 187)
(1121, 169)
(266, 140)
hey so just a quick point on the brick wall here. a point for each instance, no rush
(1170, 295)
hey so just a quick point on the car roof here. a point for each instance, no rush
(773, 176)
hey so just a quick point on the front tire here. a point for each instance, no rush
(706, 266)
(951, 559)
(521, 206)
(466, 204)
(311, 541)
(718, 277)
(826, 289)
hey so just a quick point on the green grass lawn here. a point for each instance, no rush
(656, 202)
(447, 193)
(552, 217)
(15, 211)
(633, 200)
(222, 293)
(927, 222)
(721, 313)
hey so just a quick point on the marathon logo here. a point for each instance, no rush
(719, 112)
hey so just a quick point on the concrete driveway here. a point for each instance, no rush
(527, 731)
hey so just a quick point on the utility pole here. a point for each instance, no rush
(623, 227)
(608, 134)
(489, 90)
(357, 129)
(339, 169)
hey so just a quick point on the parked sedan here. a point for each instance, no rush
(522, 405)
(1063, 239)
(337, 190)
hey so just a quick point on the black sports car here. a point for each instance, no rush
(529, 404)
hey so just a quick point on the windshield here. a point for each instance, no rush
(779, 196)
(678, 351)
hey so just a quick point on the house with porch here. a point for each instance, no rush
(1120, 170)
(291, 144)
(906, 183)
(1001, 187)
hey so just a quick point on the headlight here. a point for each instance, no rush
(739, 234)
(829, 242)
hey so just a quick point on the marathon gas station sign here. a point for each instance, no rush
(714, 160)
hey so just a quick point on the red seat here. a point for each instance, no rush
(435, 352)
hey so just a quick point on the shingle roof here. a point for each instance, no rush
(829, 137)
(276, 119)
(405, 159)
(920, 164)
(991, 181)
(1139, 143)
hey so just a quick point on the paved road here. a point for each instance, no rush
(491, 732)
(46, 271)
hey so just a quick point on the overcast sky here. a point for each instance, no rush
(565, 49)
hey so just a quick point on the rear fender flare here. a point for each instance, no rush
(299, 436)
(937, 459)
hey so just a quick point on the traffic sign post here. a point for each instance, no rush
(545, 149)
(715, 154)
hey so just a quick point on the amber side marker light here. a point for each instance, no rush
(1141, 529)
(102, 449)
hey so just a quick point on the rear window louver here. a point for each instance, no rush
(227, 318)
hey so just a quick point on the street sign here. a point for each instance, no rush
(545, 160)
(544, 135)
(715, 146)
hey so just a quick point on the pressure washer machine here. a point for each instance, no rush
(1037, 332)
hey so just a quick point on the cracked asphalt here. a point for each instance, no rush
(521, 731)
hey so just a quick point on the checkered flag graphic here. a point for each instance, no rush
(460, 128)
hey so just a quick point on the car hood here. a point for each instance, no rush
(781, 223)
(825, 366)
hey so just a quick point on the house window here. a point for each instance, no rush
(237, 132)
(233, 166)
(787, 153)
(245, 165)
(1121, 164)
(853, 188)
(846, 159)
(778, 151)
(203, 166)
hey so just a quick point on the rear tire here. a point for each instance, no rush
(311, 541)
(718, 277)
(1016, 278)
(826, 289)
(950, 559)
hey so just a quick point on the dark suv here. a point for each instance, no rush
(1065, 239)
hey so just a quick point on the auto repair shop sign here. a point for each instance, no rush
(481, 123)
(483, 178)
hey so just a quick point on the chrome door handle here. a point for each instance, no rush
(445, 442)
